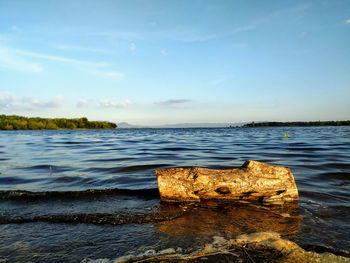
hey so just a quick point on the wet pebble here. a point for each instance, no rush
(167, 251)
(179, 250)
(149, 253)
(219, 241)
(124, 259)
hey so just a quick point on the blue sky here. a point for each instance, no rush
(156, 62)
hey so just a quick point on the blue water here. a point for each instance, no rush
(48, 212)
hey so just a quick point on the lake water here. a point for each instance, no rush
(69, 195)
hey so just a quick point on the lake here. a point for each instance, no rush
(68, 195)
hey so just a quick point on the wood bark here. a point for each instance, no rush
(253, 181)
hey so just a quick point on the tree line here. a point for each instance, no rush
(14, 122)
(296, 124)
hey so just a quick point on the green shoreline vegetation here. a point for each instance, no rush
(14, 122)
(296, 124)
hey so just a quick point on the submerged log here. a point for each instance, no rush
(252, 181)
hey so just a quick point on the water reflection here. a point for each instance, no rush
(210, 218)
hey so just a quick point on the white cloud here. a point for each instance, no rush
(6, 100)
(57, 58)
(347, 21)
(81, 103)
(176, 103)
(132, 47)
(164, 52)
(114, 74)
(218, 81)
(124, 35)
(108, 74)
(4, 38)
(11, 61)
(246, 28)
(180, 34)
(9, 102)
(32, 102)
(83, 49)
(284, 13)
(153, 23)
(191, 37)
(221, 79)
(106, 103)
(124, 103)
(239, 45)
(193, 34)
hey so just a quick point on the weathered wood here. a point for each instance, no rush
(252, 181)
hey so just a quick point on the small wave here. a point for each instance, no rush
(75, 142)
(130, 168)
(66, 179)
(96, 219)
(10, 180)
(338, 176)
(224, 158)
(337, 165)
(176, 149)
(306, 149)
(111, 159)
(322, 196)
(323, 249)
(141, 167)
(46, 167)
(27, 195)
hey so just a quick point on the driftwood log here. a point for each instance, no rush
(252, 181)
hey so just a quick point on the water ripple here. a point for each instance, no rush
(73, 174)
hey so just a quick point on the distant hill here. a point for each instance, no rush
(200, 125)
(296, 124)
(125, 125)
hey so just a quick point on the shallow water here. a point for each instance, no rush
(48, 213)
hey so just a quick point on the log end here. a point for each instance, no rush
(174, 184)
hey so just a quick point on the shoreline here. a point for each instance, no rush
(255, 247)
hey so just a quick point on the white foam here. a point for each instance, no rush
(291, 251)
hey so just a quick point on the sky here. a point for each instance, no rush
(176, 61)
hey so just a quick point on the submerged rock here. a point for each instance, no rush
(124, 259)
(167, 251)
(252, 181)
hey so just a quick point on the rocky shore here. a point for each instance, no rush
(252, 248)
